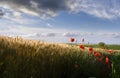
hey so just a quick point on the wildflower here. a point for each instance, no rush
(83, 40)
(72, 39)
(107, 60)
(97, 54)
(90, 50)
(108, 63)
(82, 47)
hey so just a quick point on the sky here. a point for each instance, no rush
(59, 20)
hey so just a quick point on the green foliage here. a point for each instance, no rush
(102, 45)
(116, 65)
(114, 46)
(109, 46)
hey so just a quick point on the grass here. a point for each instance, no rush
(114, 47)
(109, 46)
(22, 58)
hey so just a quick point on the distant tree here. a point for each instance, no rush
(102, 45)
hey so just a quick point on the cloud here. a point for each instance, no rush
(1, 13)
(49, 25)
(16, 14)
(58, 35)
(49, 34)
(31, 35)
(108, 9)
(78, 34)
(43, 8)
(28, 32)
(17, 17)
(68, 34)
(110, 34)
(115, 35)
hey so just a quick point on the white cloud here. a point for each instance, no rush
(78, 34)
(100, 8)
(115, 35)
(24, 10)
(49, 25)
(18, 17)
(68, 34)
(58, 35)
(17, 14)
(50, 34)
(20, 20)
(31, 35)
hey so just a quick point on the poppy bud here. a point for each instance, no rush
(72, 39)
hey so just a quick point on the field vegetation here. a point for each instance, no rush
(22, 58)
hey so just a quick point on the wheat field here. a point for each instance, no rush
(23, 58)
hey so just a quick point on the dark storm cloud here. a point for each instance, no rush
(1, 13)
(108, 9)
(40, 7)
(51, 4)
(45, 4)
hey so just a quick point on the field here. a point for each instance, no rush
(110, 46)
(22, 58)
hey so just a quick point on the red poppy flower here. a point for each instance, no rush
(82, 47)
(72, 39)
(91, 50)
(107, 60)
(97, 54)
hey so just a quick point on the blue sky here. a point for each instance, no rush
(58, 20)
